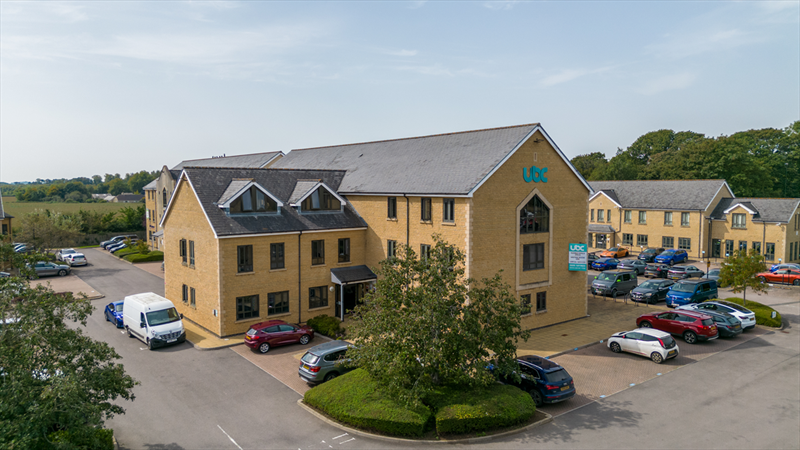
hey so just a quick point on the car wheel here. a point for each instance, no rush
(615, 347)
(657, 358)
(331, 376)
(537, 397)
(62, 272)
(796, 282)
(264, 348)
(646, 324)
(149, 344)
(613, 293)
(690, 337)
(304, 339)
(762, 279)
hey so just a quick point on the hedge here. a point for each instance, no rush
(480, 409)
(355, 399)
(101, 439)
(138, 257)
(327, 325)
(763, 312)
(125, 252)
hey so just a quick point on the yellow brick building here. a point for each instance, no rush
(5, 221)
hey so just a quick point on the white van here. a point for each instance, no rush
(153, 319)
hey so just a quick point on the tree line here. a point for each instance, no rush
(79, 189)
(756, 163)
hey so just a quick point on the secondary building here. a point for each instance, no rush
(5, 220)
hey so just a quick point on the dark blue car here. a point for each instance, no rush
(544, 380)
(114, 313)
(672, 256)
(605, 264)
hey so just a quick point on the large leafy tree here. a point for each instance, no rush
(588, 164)
(46, 230)
(425, 324)
(739, 271)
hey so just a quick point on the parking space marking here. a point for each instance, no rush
(229, 437)
(351, 439)
(340, 436)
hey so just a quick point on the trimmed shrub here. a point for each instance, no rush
(460, 411)
(355, 399)
(139, 257)
(125, 252)
(763, 312)
(327, 325)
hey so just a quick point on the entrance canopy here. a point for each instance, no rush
(351, 275)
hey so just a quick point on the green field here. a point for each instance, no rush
(19, 209)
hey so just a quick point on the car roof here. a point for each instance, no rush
(328, 347)
(693, 313)
(651, 332)
(268, 323)
(118, 302)
(696, 281)
(540, 363)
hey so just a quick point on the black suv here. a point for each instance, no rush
(544, 380)
(649, 254)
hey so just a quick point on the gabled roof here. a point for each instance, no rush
(251, 161)
(610, 194)
(444, 164)
(679, 195)
(301, 189)
(296, 201)
(237, 188)
(209, 184)
(772, 210)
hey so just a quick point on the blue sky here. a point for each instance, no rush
(115, 87)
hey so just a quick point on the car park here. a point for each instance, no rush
(64, 252)
(117, 240)
(76, 259)
(672, 256)
(113, 313)
(693, 326)
(44, 268)
(545, 380)
(775, 267)
(656, 270)
(324, 362)
(785, 276)
(605, 264)
(272, 333)
(614, 282)
(648, 255)
(651, 291)
(691, 291)
(728, 326)
(657, 345)
(747, 317)
(636, 265)
(713, 274)
(681, 272)
(614, 252)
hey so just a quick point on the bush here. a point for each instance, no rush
(125, 252)
(355, 399)
(763, 312)
(102, 439)
(460, 411)
(327, 325)
(138, 257)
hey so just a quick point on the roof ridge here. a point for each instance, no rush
(417, 137)
(638, 181)
(767, 198)
(232, 156)
(277, 169)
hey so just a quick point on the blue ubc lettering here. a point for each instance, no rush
(535, 174)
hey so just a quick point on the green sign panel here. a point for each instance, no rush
(578, 257)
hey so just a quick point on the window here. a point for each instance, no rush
(317, 297)
(728, 248)
(192, 297)
(449, 210)
(627, 239)
(769, 254)
(391, 208)
(533, 257)
(684, 219)
(684, 243)
(590, 240)
(541, 301)
(668, 218)
(739, 221)
(253, 200)
(743, 245)
(757, 246)
(608, 215)
(277, 303)
(601, 215)
(424, 251)
(344, 250)
(591, 215)
(247, 307)
(164, 197)
(5, 228)
(244, 258)
(276, 256)
(525, 304)
(317, 252)
(716, 248)
(391, 247)
(642, 217)
(185, 296)
(321, 200)
(535, 217)
(183, 251)
(426, 209)
(668, 242)
(191, 253)
(627, 216)
(641, 240)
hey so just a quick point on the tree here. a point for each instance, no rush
(46, 230)
(587, 164)
(426, 325)
(739, 271)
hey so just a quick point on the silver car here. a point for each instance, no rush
(43, 268)
(324, 362)
(632, 264)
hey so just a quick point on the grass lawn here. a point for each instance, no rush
(763, 312)
(19, 209)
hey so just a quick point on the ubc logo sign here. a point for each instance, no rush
(577, 247)
(535, 174)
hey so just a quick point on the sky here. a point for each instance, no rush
(117, 87)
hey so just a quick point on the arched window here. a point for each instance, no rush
(534, 217)
(253, 200)
(321, 200)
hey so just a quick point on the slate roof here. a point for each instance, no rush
(210, 183)
(452, 163)
(234, 187)
(679, 195)
(252, 160)
(151, 186)
(300, 189)
(767, 209)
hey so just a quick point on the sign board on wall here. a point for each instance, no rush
(578, 257)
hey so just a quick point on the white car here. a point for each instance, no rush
(657, 345)
(64, 252)
(76, 259)
(747, 317)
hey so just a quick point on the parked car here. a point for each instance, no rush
(615, 252)
(713, 274)
(76, 259)
(4, 274)
(747, 317)
(727, 325)
(43, 268)
(786, 276)
(605, 264)
(691, 291)
(64, 252)
(648, 255)
(681, 272)
(691, 325)
(614, 282)
(324, 362)
(591, 257)
(116, 247)
(636, 265)
(23, 248)
(656, 270)
(775, 267)
(117, 240)
(654, 344)
(672, 256)
(272, 333)
(113, 313)
(651, 291)
(543, 379)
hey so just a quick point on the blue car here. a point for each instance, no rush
(544, 380)
(672, 256)
(114, 313)
(784, 266)
(605, 264)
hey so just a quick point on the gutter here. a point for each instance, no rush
(299, 279)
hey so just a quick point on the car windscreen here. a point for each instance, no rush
(155, 318)
(557, 376)
(650, 285)
(667, 254)
(606, 277)
(310, 358)
(118, 308)
(713, 272)
(681, 287)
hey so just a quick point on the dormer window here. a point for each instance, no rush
(321, 200)
(253, 201)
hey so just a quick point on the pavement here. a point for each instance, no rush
(70, 283)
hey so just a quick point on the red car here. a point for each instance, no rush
(272, 333)
(690, 325)
(788, 276)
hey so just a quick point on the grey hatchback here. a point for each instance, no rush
(324, 362)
